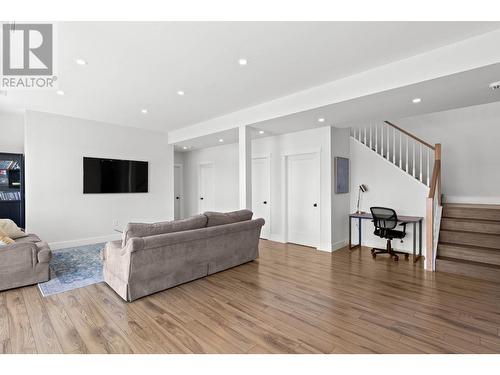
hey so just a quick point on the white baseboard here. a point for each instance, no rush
(473, 200)
(325, 247)
(276, 238)
(84, 241)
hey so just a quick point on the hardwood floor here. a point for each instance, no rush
(291, 300)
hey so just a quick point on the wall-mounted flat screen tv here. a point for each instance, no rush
(101, 176)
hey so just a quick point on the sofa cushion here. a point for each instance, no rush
(146, 230)
(221, 218)
(10, 229)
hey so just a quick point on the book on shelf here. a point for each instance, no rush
(10, 195)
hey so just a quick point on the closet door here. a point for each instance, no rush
(261, 191)
(206, 187)
(303, 199)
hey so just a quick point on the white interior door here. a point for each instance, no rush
(302, 187)
(261, 191)
(206, 188)
(177, 192)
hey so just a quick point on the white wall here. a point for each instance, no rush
(56, 208)
(12, 133)
(387, 186)
(225, 169)
(470, 150)
(225, 159)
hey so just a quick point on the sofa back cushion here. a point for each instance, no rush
(146, 230)
(222, 218)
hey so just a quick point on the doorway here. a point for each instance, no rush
(178, 192)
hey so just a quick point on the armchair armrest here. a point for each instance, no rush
(18, 254)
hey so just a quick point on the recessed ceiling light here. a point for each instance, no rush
(185, 148)
(242, 61)
(180, 93)
(261, 131)
(495, 85)
(417, 100)
(144, 111)
(321, 119)
(60, 92)
(81, 62)
(221, 140)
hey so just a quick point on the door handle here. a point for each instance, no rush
(201, 198)
(265, 202)
(315, 205)
(176, 197)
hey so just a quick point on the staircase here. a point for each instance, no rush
(409, 153)
(469, 241)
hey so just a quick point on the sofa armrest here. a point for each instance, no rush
(116, 258)
(18, 254)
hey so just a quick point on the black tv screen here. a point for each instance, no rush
(114, 176)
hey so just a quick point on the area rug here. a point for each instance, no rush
(73, 268)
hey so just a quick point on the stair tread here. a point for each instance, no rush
(470, 232)
(473, 206)
(469, 262)
(470, 247)
(470, 220)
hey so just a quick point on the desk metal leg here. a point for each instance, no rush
(359, 232)
(350, 234)
(415, 242)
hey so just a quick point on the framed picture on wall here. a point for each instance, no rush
(341, 166)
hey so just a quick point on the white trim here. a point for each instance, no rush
(339, 244)
(181, 188)
(276, 237)
(473, 200)
(284, 189)
(84, 241)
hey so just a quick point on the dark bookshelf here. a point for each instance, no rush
(12, 203)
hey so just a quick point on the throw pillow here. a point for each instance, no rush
(5, 241)
(10, 229)
(222, 218)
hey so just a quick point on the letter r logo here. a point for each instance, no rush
(27, 49)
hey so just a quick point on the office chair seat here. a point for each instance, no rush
(385, 221)
(389, 233)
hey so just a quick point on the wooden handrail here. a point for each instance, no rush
(435, 177)
(410, 135)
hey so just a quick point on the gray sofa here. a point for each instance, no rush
(154, 257)
(24, 263)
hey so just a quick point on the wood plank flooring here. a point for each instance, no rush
(293, 299)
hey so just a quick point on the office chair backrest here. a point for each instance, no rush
(384, 218)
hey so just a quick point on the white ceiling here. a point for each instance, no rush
(142, 65)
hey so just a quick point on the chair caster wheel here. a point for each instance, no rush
(374, 255)
(396, 258)
(407, 256)
(372, 250)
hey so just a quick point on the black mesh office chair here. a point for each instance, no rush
(385, 220)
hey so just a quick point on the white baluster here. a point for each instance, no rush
(420, 164)
(394, 145)
(388, 143)
(407, 145)
(382, 140)
(376, 138)
(400, 150)
(414, 170)
(370, 126)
